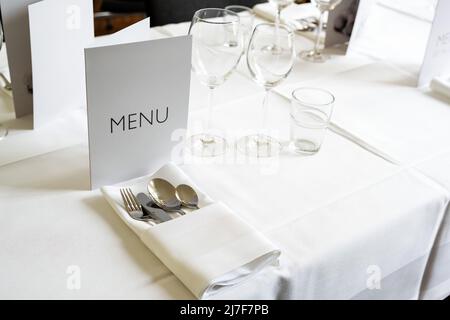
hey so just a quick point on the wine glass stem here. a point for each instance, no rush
(265, 112)
(277, 26)
(210, 110)
(319, 32)
(278, 17)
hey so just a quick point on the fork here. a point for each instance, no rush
(133, 208)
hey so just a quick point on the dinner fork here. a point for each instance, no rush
(132, 206)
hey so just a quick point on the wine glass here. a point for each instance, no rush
(268, 69)
(247, 20)
(217, 47)
(3, 129)
(280, 5)
(316, 55)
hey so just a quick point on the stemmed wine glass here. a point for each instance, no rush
(217, 47)
(268, 69)
(3, 129)
(247, 20)
(280, 5)
(316, 55)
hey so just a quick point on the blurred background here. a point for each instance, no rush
(114, 15)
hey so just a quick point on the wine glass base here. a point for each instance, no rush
(206, 145)
(259, 146)
(313, 56)
(3, 132)
(273, 49)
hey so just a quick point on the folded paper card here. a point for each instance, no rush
(59, 31)
(210, 249)
(437, 56)
(137, 98)
(17, 34)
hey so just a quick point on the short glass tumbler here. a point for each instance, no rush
(311, 110)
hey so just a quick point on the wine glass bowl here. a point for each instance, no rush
(216, 45)
(268, 67)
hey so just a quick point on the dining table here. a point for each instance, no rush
(367, 217)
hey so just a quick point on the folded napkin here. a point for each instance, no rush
(210, 249)
(290, 15)
(441, 85)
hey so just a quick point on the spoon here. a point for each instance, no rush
(164, 195)
(187, 196)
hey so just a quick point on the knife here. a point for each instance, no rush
(155, 213)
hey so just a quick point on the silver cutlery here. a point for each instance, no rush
(164, 195)
(308, 24)
(132, 207)
(304, 26)
(148, 207)
(187, 196)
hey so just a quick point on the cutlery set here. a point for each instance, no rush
(308, 24)
(163, 200)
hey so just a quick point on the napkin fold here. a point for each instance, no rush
(441, 85)
(210, 249)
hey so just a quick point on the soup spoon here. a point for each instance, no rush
(187, 196)
(164, 195)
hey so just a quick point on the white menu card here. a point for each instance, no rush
(137, 97)
(437, 56)
(59, 32)
(17, 34)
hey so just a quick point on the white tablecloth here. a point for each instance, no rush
(344, 218)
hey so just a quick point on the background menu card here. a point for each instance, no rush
(59, 31)
(137, 96)
(17, 34)
(437, 56)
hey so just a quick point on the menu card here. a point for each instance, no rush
(59, 30)
(17, 35)
(137, 98)
(437, 56)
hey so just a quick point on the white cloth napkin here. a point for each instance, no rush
(441, 85)
(290, 16)
(210, 249)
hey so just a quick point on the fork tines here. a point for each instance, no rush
(129, 200)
